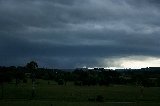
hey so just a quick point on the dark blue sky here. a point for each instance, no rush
(77, 33)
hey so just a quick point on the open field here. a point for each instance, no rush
(70, 95)
(50, 103)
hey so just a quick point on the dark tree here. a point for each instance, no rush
(2, 84)
(32, 67)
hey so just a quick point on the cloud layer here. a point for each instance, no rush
(76, 33)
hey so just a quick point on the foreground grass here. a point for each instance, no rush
(71, 95)
(50, 103)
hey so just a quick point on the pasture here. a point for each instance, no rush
(70, 95)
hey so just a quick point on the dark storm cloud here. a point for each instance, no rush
(72, 33)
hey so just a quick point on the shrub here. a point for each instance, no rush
(99, 98)
(60, 82)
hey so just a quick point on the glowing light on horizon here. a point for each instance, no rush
(133, 62)
(141, 63)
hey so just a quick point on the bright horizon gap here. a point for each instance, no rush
(133, 62)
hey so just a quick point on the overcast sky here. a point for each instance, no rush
(77, 33)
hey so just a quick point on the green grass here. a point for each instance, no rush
(48, 103)
(71, 95)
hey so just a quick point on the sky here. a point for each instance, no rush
(80, 33)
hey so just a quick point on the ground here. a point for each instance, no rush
(70, 95)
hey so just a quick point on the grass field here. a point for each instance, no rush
(71, 95)
(53, 103)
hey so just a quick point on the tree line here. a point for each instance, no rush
(80, 77)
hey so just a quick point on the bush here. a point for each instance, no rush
(60, 82)
(25, 81)
(78, 83)
(91, 99)
(99, 98)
